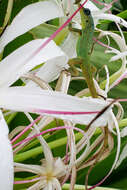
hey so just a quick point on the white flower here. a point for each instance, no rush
(40, 101)
(48, 177)
(49, 172)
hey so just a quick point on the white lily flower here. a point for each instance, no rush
(48, 178)
(6, 157)
(28, 18)
(49, 172)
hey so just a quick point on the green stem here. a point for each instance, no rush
(82, 187)
(8, 14)
(35, 151)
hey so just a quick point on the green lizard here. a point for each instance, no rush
(83, 49)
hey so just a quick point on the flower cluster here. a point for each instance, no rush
(75, 130)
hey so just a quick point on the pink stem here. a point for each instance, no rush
(46, 131)
(55, 33)
(101, 43)
(122, 100)
(63, 112)
(29, 126)
(119, 80)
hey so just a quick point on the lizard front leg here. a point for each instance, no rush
(72, 63)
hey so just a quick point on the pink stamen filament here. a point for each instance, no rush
(98, 2)
(119, 80)
(105, 4)
(122, 100)
(26, 129)
(102, 44)
(67, 156)
(46, 131)
(64, 112)
(98, 184)
(55, 33)
(49, 112)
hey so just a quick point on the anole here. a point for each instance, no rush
(83, 49)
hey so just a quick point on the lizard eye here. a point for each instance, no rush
(87, 11)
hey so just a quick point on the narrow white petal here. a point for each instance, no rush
(117, 38)
(51, 70)
(123, 155)
(6, 157)
(16, 64)
(56, 184)
(111, 17)
(39, 185)
(69, 45)
(59, 168)
(119, 56)
(123, 132)
(28, 18)
(3, 126)
(36, 99)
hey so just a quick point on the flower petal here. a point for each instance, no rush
(123, 132)
(16, 64)
(6, 157)
(37, 100)
(69, 45)
(111, 17)
(28, 18)
(123, 155)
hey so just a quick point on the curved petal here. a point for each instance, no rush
(123, 155)
(6, 157)
(43, 102)
(69, 45)
(111, 17)
(28, 18)
(18, 62)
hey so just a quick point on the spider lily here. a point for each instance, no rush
(36, 100)
(49, 172)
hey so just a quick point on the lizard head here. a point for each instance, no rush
(87, 11)
(88, 18)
